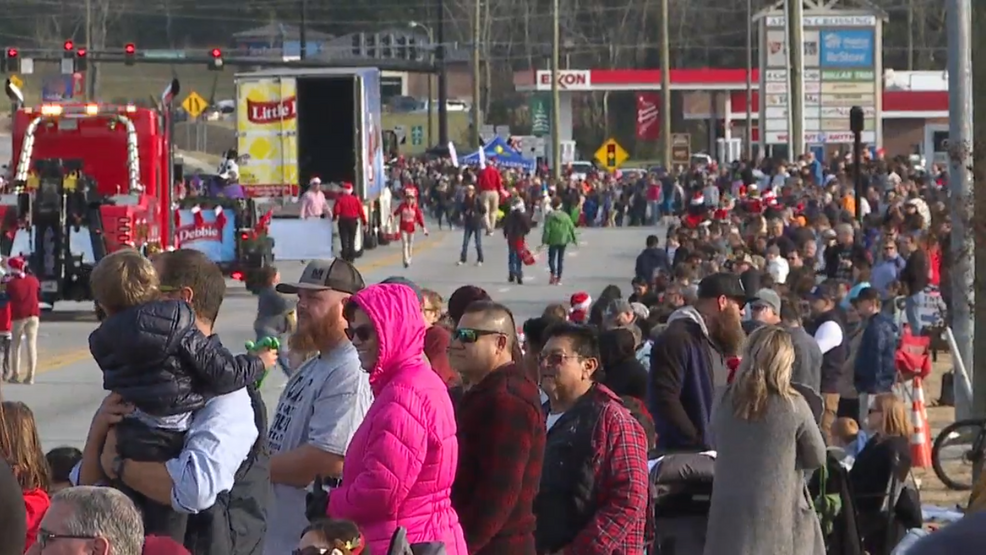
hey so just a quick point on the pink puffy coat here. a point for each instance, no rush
(401, 462)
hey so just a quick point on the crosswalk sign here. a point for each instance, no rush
(611, 155)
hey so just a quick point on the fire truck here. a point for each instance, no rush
(87, 179)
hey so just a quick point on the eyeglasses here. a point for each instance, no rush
(469, 335)
(363, 333)
(45, 537)
(554, 359)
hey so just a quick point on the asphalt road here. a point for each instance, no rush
(68, 388)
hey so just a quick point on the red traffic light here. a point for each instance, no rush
(611, 150)
(69, 45)
(217, 53)
(130, 48)
(11, 52)
(81, 52)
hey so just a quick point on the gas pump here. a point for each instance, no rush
(54, 203)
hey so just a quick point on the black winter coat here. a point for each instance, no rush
(155, 357)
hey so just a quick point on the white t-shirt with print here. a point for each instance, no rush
(322, 404)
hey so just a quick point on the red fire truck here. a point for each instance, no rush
(96, 169)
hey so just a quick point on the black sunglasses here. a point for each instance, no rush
(469, 335)
(46, 537)
(363, 333)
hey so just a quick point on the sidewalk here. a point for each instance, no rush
(933, 492)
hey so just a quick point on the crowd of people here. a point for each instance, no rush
(740, 398)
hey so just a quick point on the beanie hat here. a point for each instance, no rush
(580, 302)
(462, 298)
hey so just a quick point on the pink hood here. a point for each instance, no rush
(401, 462)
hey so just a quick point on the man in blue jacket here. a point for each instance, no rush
(650, 260)
(875, 369)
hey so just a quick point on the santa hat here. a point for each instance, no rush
(16, 264)
(580, 303)
(410, 190)
(698, 199)
(347, 187)
(315, 181)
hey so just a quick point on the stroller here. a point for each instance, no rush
(681, 486)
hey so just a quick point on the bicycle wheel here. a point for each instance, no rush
(956, 449)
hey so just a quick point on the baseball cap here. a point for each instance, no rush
(770, 299)
(822, 292)
(321, 275)
(617, 307)
(724, 284)
(866, 294)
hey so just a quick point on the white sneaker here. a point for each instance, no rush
(478, 264)
(459, 263)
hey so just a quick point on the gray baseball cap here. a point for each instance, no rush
(322, 275)
(768, 298)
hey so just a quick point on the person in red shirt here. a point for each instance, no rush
(23, 292)
(490, 186)
(409, 217)
(348, 212)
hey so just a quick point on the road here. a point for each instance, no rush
(68, 388)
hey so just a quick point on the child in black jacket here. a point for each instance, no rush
(153, 355)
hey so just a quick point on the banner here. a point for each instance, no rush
(648, 122)
(208, 231)
(540, 107)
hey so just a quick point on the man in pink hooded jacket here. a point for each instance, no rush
(401, 463)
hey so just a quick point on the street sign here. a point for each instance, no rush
(17, 82)
(194, 104)
(681, 148)
(417, 135)
(611, 155)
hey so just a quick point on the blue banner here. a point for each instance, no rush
(847, 48)
(211, 233)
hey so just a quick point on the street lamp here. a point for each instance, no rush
(431, 96)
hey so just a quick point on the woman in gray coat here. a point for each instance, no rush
(767, 439)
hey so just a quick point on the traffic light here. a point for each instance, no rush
(11, 61)
(611, 155)
(81, 59)
(130, 54)
(216, 64)
(402, 47)
(412, 49)
(357, 45)
(371, 46)
(69, 48)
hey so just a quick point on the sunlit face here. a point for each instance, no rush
(563, 372)
(474, 347)
(364, 336)
(54, 539)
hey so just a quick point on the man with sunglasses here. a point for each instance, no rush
(501, 434)
(87, 519)
(322, 404)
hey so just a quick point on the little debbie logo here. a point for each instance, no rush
(848, 48)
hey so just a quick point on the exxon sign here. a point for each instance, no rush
(568, 80)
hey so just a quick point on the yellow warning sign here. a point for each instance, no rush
(611, 155)
(194, 104)
(17, 82)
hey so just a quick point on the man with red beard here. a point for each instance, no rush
(322, 404)
(688, 362)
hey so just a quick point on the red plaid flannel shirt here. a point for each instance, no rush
(622, 482)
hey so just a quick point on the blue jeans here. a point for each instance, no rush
(556, 259)
(466, 234)
(515, 267)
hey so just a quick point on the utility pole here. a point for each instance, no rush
(477, 118)
(88, 83)
(442, 75)
(666, 84)
(555, 95)
(970, 339)
(749, 80)
(910, 35)
(796, 95)
(302, 36)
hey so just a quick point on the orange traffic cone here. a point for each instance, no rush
(921, 435)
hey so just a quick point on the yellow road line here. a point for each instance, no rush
(68, 358)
